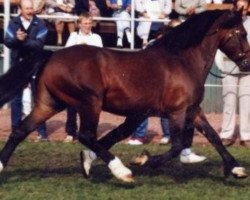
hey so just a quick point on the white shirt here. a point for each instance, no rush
(90, 39)
(154, 7)
(26, 23)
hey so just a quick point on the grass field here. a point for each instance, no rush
(51, 171)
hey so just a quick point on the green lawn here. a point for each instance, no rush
(52, 171)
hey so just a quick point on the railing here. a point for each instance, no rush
(213, 85)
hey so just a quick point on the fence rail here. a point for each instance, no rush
(213, 94)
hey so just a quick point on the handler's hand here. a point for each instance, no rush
(21, 35)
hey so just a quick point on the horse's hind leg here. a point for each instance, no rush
(230, 164)
(116, 135)
(89, 117)
(38, 115)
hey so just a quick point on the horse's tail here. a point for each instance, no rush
(20, 74)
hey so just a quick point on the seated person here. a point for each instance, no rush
(188, 8)
(150, 9)
(121, 9)
(63, 8)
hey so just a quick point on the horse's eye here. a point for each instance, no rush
(244, 34)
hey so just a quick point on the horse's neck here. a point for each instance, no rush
(204, 55)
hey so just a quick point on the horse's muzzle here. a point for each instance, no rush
(244, 64)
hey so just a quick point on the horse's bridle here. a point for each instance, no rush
(232, 35)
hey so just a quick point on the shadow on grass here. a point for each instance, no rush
(180, 173)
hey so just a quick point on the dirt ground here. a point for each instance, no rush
(56, 125)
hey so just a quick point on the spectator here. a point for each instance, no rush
(139, 134)
(150, 9)
(39, 6)
(214, 1)
(63, 8)
(82, 6)
(235, 86)
(187, 8)
(121, 9)
(25, 33)
(86, 37)
(186, 156)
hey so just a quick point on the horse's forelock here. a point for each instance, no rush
(233, 18)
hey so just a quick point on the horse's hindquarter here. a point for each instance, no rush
(73, 75)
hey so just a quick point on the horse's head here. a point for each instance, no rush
(234, 41)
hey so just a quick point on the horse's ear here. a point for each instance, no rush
(237, 10)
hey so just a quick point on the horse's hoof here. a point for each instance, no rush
(140, 159)
(120, 171)
(1, 166)
(86, 162)
(84, 172)
(239, 172)
(128, 179)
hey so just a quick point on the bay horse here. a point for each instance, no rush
(167, 79)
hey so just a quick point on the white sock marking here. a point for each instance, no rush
(118, 169)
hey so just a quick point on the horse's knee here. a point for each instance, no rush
(18, 135)
(86, 137)
(176, 150)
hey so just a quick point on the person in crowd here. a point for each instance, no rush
(139, 134)
(150, 9)
(94, 7)
(186, 155)
(64, 8)
(121, 9)
(38, 6)
(84, 36)
(187, 8)
(236, 87)
(214, 1)
(25, 33)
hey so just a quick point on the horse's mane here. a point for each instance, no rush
(193, 30)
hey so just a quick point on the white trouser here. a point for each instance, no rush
(122, 25)
(232, 92)
(143, 29)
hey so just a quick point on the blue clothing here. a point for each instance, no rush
(16, 111)
(125, 3)
(36, 35)
(141, 130)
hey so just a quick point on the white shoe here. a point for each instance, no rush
(119, 42)
(164, 140)
(129, 36)
(135, 141)
(191, 158)
(41, 139)
(68, 139)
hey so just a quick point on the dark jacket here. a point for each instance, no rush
(35, 40)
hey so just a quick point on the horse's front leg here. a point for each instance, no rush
(230, 164)
(176, 122)
(87, 136)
